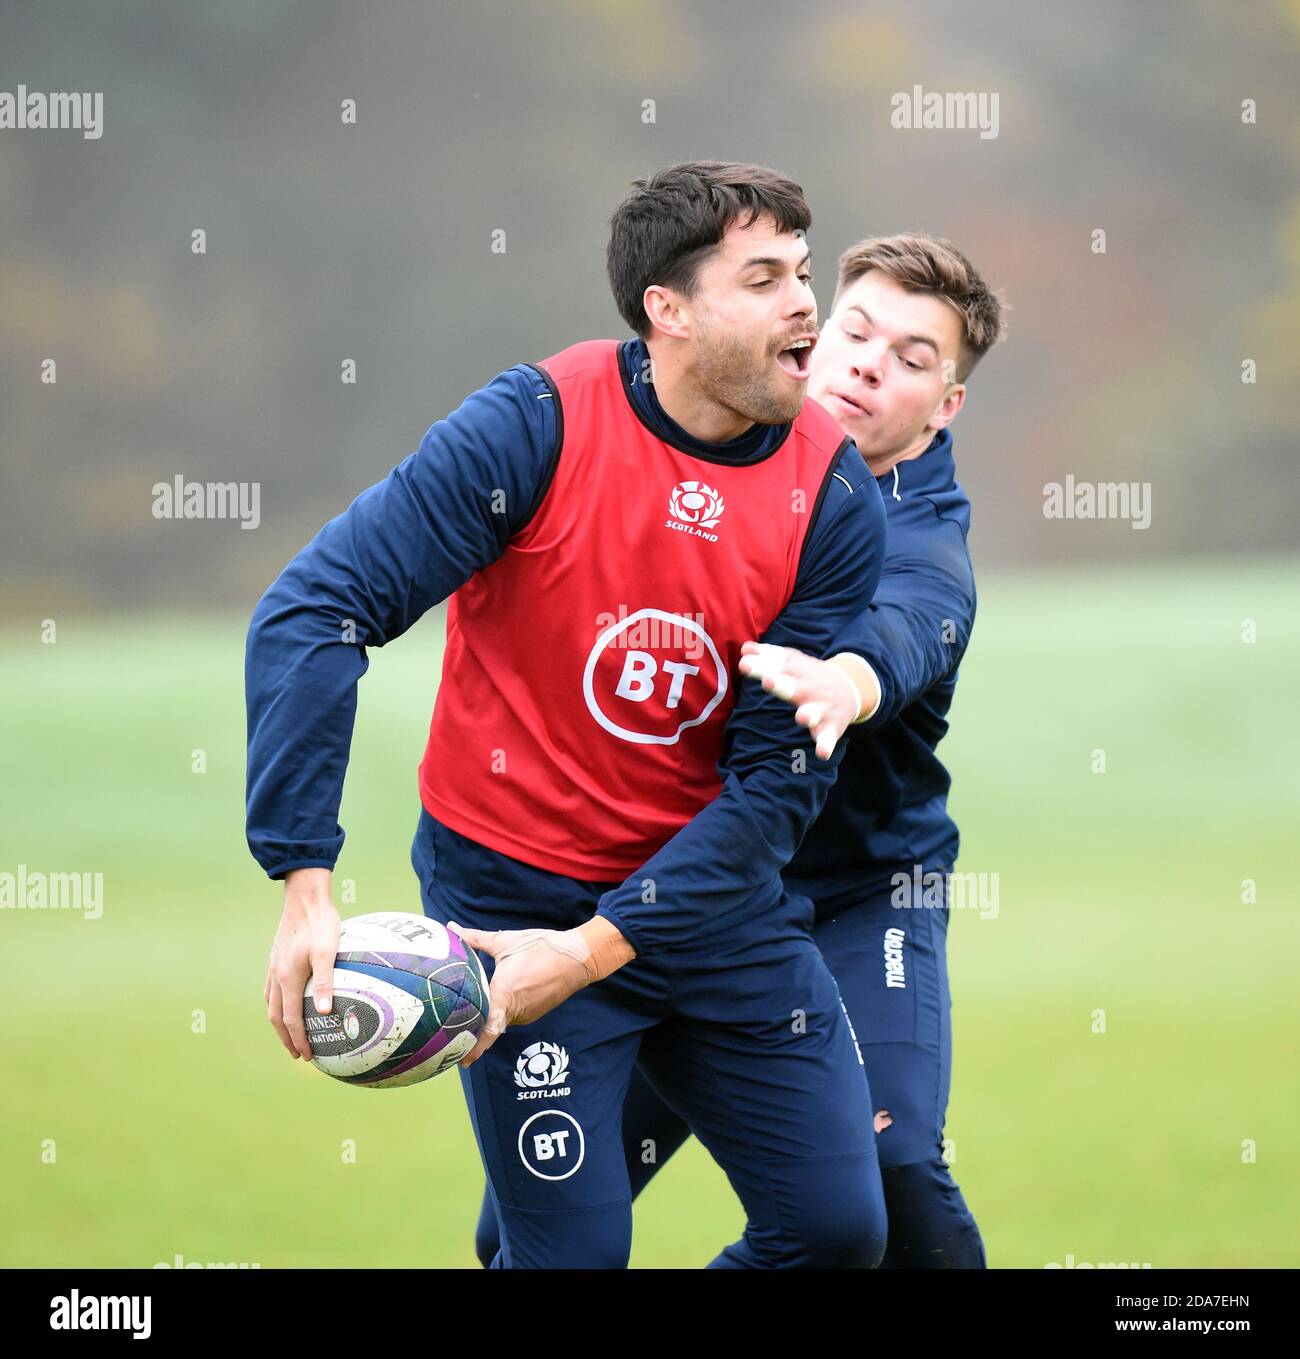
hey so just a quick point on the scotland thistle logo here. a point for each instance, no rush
(542, 1064)
(692, 502)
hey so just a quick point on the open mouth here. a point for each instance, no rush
(796, 359)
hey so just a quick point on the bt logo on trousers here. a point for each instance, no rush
(547, 1145)
(551, 1145)
(651, 696)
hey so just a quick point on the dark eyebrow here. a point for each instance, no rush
(771, 262)
(907, 339)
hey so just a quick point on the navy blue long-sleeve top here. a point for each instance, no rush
(410, 541)
(889, 806)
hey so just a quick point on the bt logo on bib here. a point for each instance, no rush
(651, 695)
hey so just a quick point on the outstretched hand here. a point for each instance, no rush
(825, 697)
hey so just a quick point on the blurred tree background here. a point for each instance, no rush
(373, 242)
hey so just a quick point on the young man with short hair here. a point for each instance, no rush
(910, 319)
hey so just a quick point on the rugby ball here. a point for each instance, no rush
(410, 997)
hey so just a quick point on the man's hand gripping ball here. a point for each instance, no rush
(537, 969)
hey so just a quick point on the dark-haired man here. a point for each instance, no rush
(605, 810)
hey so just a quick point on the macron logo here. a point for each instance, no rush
(895, 974)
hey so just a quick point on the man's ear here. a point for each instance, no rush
(946, 411)
(667, 312)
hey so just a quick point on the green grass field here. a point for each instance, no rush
(1118, 891)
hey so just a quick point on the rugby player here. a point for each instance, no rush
(910, 319)
(605, 810)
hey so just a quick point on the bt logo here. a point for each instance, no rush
(637, 679)
(651, 699)
(551, 1145)
(546, 1145)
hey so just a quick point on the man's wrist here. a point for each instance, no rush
(305, 885)
(609, 949)
(864, 680)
